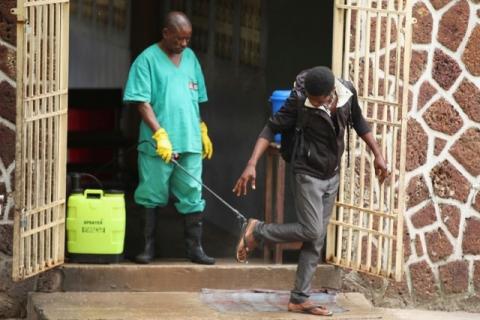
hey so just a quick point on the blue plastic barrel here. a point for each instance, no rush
(277, 99)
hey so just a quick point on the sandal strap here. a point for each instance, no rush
(243, 243)
(243, 240)
(309, 309)
(315, 307)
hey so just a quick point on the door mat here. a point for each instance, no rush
(259, 300)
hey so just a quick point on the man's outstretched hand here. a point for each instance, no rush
(248, 175)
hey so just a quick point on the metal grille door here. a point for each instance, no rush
(372, 40)
(42, 73)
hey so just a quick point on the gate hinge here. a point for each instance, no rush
(14, 11)
(23, 219)
(2, 201)
(23, 223)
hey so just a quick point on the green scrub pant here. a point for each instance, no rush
(159, 180)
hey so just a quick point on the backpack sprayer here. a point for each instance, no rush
(95, 222)
(96, 218)
(240, 217)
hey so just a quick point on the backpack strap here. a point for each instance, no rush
(302, 119)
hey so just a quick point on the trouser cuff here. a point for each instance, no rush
(298, 297)
(257, 232)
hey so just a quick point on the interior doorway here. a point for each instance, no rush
(247, 49)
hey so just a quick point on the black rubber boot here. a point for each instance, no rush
(193, 239)
(149, 233)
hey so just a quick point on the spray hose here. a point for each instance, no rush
(240, 217)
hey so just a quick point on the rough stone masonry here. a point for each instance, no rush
(10, 302)
(442, 221)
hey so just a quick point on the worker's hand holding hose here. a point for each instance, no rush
(206, 142)
(164, 146)
(248, 175)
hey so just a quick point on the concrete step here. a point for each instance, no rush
(187, 277)
(168, 305)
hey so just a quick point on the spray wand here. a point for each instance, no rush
(241, 218)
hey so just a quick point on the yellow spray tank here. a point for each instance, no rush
(96, 226)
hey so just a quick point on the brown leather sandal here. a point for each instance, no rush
(309, 307)
(246, 243)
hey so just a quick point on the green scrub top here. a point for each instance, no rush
(174, 93)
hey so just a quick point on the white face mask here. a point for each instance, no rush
(319, 101)
(331, 100)
(343, 93)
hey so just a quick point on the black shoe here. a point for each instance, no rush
(193, 240)
(149, 233)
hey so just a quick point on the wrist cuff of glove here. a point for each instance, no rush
(203, 127)
(159, 132)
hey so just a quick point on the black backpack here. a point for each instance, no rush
(292, 142)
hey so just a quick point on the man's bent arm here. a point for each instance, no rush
(372, 144)
(260, 146)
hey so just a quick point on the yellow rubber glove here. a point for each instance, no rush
(164, 146)
(206, 142)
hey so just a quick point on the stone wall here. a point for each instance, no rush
(442, 222)
(443, 215)
(9, 305)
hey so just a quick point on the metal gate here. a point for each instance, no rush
(42, 86)
(371, 48)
